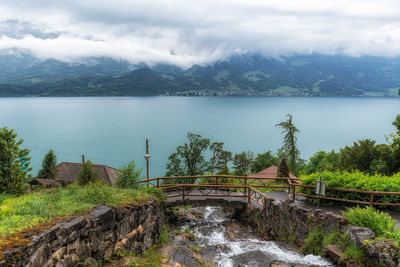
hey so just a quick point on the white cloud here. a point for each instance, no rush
(196, 32)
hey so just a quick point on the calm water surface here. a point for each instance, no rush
(112, 130)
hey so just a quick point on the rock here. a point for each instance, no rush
(332, 252)
(89, 262)
(41, 256)
(82, 251)
(234, 227)
(221, 246)
(230, 235)
(358, 234)
(279, 264)
(66, 262)
(74, 224)
(380, 252)
(102, 215)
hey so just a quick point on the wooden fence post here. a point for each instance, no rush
(158, 182)
(183, 194)
(248, 195)
(371, 200)
(294, 193)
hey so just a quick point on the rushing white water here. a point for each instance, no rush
(211, 232)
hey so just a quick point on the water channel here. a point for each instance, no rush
(225, 242)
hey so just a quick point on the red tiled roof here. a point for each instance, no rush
(270, 172)
(67, 172)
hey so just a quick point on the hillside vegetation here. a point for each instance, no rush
(308, 75)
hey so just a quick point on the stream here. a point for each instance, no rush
(221, 241)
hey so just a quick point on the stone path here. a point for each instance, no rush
(282, 196)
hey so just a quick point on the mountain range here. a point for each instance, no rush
(246, 74)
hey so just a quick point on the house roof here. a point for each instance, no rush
(67, 172)
(47, 182)
(270, 172)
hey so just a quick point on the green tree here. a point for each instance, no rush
(242, 162)
(87, 174)
(128, 175)
(323, 161)
(283, 168)
(48, 170)
(14, 163)
(189, 157)
(174, 166)
(216, 148)
(360, 156)
(263, 161)
(220, 159)
(289, 147)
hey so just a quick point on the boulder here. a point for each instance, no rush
(332, 252)
(358, 234)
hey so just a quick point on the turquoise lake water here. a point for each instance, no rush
(112, 130)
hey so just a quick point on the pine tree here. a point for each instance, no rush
(87, 174)
(48, 170)
(289, 147)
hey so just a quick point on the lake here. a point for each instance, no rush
(112, 130)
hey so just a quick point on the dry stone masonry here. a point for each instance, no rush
(86, 239)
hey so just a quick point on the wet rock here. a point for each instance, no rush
(280, 264)
(230, 235)
(221, 246)
(332, 252)
(358, 234)
(253, 258)
(381, 252)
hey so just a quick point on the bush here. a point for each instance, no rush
(49, 163)
(128, 175)
(380, 222)
(87, 174)
(355, 180)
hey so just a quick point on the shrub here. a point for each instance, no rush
(355, 180)
(128, 175)
(380, 222)
(87, 174)
(314, 243)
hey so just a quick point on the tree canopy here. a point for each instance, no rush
(14, 163)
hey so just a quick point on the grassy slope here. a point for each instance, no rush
(18, 213)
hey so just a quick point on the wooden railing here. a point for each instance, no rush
(359, 193)
(244, 186)
(219, 186)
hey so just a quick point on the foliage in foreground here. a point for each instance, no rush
(14, 163)
(128, 175)
(17, 213)
(317, 241)
(355, 180)
(379, 222)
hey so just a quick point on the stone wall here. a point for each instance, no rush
(85, 239)
(287, 221)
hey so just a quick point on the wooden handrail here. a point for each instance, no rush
(291, 183)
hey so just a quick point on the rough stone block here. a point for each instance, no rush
(74, 224)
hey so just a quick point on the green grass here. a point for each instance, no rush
(4, 197)
(317, 241)
(152, 258)
(17, 213)
(379, 222)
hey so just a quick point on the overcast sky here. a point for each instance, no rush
(186, 32)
